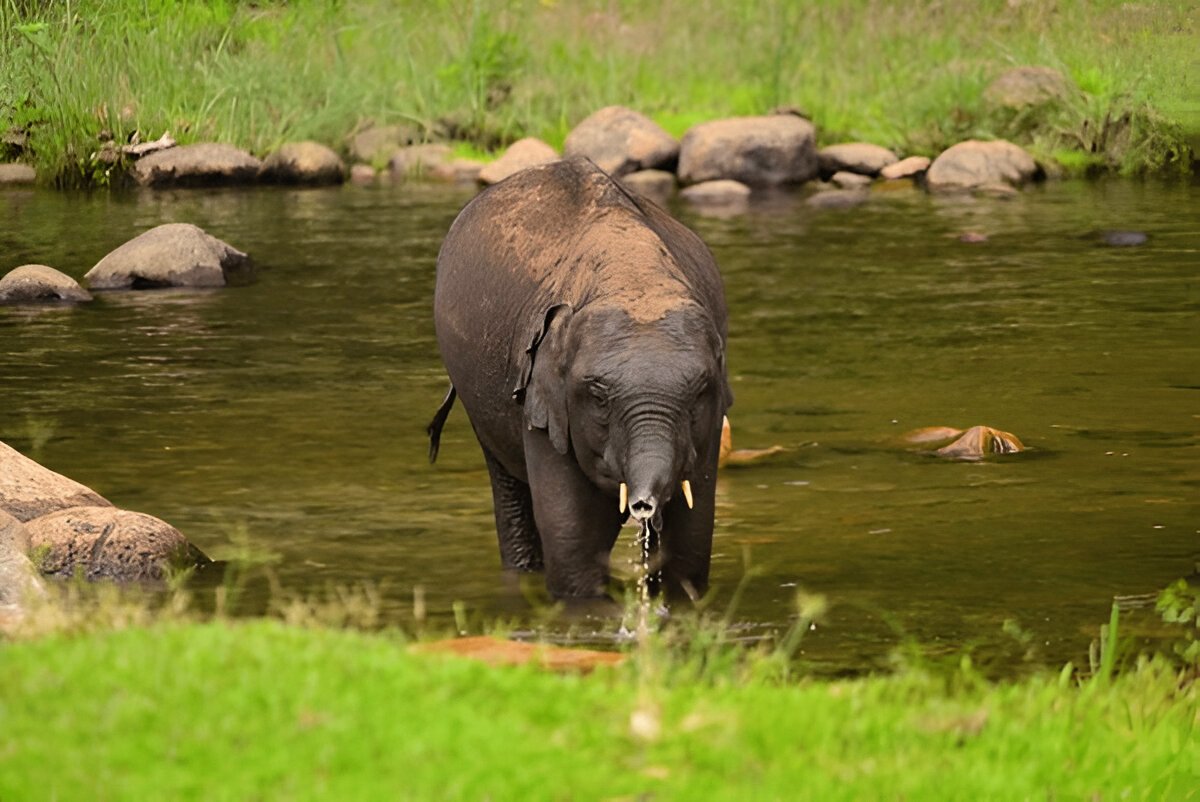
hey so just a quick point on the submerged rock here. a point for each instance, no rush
(40, 284)
(973, 163)
(304, 163)
(522, 154)
(171, 255)
(862, 158)
(980, 441)
(622, 141)
(1124, 239)
(757, 151)
(29, 490)
(205, 164)
(713, 193)
(107, 543)
(838, 199)
(13, 173)
(973, 444)
(1000, 191)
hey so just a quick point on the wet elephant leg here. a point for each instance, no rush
(577, 521)
(520, 546)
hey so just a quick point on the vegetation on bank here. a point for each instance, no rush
(116, 702)
(259, 710)
(906, 75)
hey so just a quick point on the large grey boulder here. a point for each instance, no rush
(28, 490)
(522, 154)
(104, 542)
(974, 163)
(303, 163)
(39, 284)
(205, 164)
(1024, 87)
(12, 173)
(862, 158)
(19, 581)
(757, 151)
(622, 141)
(171, 255)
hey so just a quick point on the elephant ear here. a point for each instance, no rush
(542, 389)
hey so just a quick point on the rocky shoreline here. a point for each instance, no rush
(776, 149)
(720, 161)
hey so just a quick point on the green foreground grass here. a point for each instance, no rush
(262, 710)
(906, 75)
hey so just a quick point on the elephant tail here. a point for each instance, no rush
(439, 420)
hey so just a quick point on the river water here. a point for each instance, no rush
(292, 410)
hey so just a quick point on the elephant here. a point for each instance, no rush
(585, 331)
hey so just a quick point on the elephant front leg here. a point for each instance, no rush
(520, 546)
(578, 522)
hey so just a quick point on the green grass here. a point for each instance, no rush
(260, 710)
(906, 75)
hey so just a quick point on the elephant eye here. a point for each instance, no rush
(598, 389)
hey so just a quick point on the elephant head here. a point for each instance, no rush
(638, 401)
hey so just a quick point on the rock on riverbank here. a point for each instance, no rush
(72, 527)
(108, 543)
(303, 163)
(973, 163)
(28, 490)
(204, 164)
(757, 151)
(622, 141)
(523, 153)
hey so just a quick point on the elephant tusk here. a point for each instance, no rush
(624, 497)
(687, 493)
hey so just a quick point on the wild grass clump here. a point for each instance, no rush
(909, 76)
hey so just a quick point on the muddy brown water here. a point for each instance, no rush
(293, 409)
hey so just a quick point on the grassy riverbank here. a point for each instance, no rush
(262, 710)
(906, 75)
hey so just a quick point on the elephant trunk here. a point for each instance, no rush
(650, 472)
